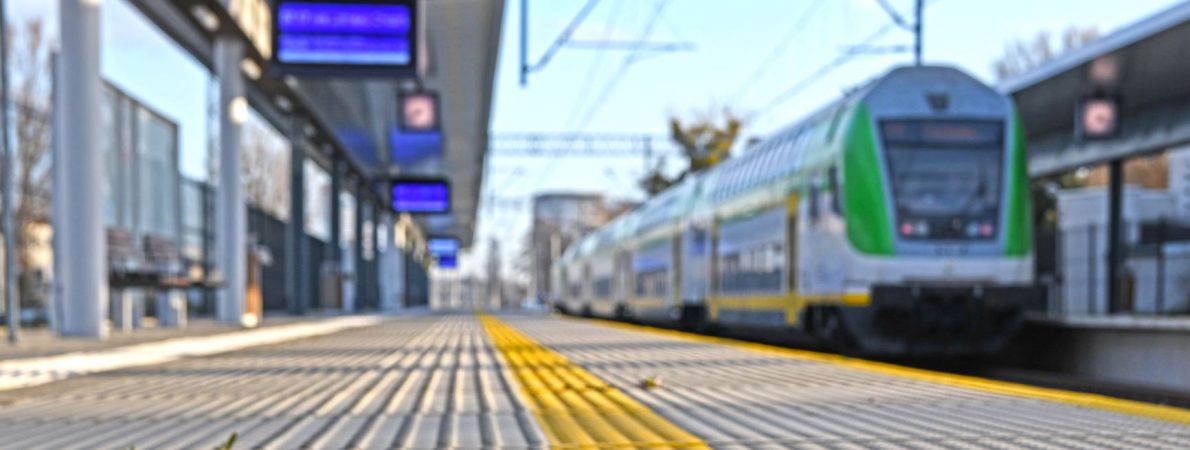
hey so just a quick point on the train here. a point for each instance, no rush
(893, 221)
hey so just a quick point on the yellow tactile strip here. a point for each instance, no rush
(1095, 401)
(575, 408)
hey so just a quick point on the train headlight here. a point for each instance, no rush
(973, 229)
(906, 229)
(922, 228)
(986, 229)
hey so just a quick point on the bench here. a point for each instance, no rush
(155, 265)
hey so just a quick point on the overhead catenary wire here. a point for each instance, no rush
(896, 17)
(819, 73)
(650, 24)
(629, 59)
(779, 49)
(564, 37)
(826, 69)
(596, 63)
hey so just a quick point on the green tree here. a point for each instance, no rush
(705, 139)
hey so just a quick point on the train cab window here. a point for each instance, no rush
(946, 177)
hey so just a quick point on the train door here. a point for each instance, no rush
(695, 263)
(674, 300)
(791, 253)
(585, 283)
(713, 273)
(791, 244)
(652, 278)
(623, 281)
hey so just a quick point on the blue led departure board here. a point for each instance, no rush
(346, 37)
(443, 246)
(421, 196)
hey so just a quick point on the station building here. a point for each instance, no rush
(310, 224)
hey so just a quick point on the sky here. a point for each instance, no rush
(745, 54)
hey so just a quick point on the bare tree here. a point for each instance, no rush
(30, 69)
(1021, 56)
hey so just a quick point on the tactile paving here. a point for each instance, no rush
(575, 408)
(735, 398)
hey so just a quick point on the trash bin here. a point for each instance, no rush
(332, 287)
(258, 257)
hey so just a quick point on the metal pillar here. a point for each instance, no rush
(12, 305)
(917, 23)
(334, 261)
(336, 256)
(295, 263)
(1115, 241)
(79, 237)
(386, 269)
(374, 264)
(361, 199)
(230, 211)
(406, 279)
(57, 187)
(524, 42)
(400, 278)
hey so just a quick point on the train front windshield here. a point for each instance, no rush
(946, 177)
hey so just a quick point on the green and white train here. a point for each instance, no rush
(895, 221)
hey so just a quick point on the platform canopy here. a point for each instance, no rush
(356, 118)
(1151, 59)
(461, 48)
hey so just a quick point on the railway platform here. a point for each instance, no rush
(1142, 351)
(518, 381)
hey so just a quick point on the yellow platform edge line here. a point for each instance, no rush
(1094, 401)
(564, 427)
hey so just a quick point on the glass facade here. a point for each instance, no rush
(318, 202)
(158, 177)
(142, 189)
(197, 215)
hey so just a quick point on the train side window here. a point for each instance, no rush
(813, 197)
(836, 190)
(830, 137)
(698, 241)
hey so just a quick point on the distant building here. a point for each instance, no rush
(560, 219)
